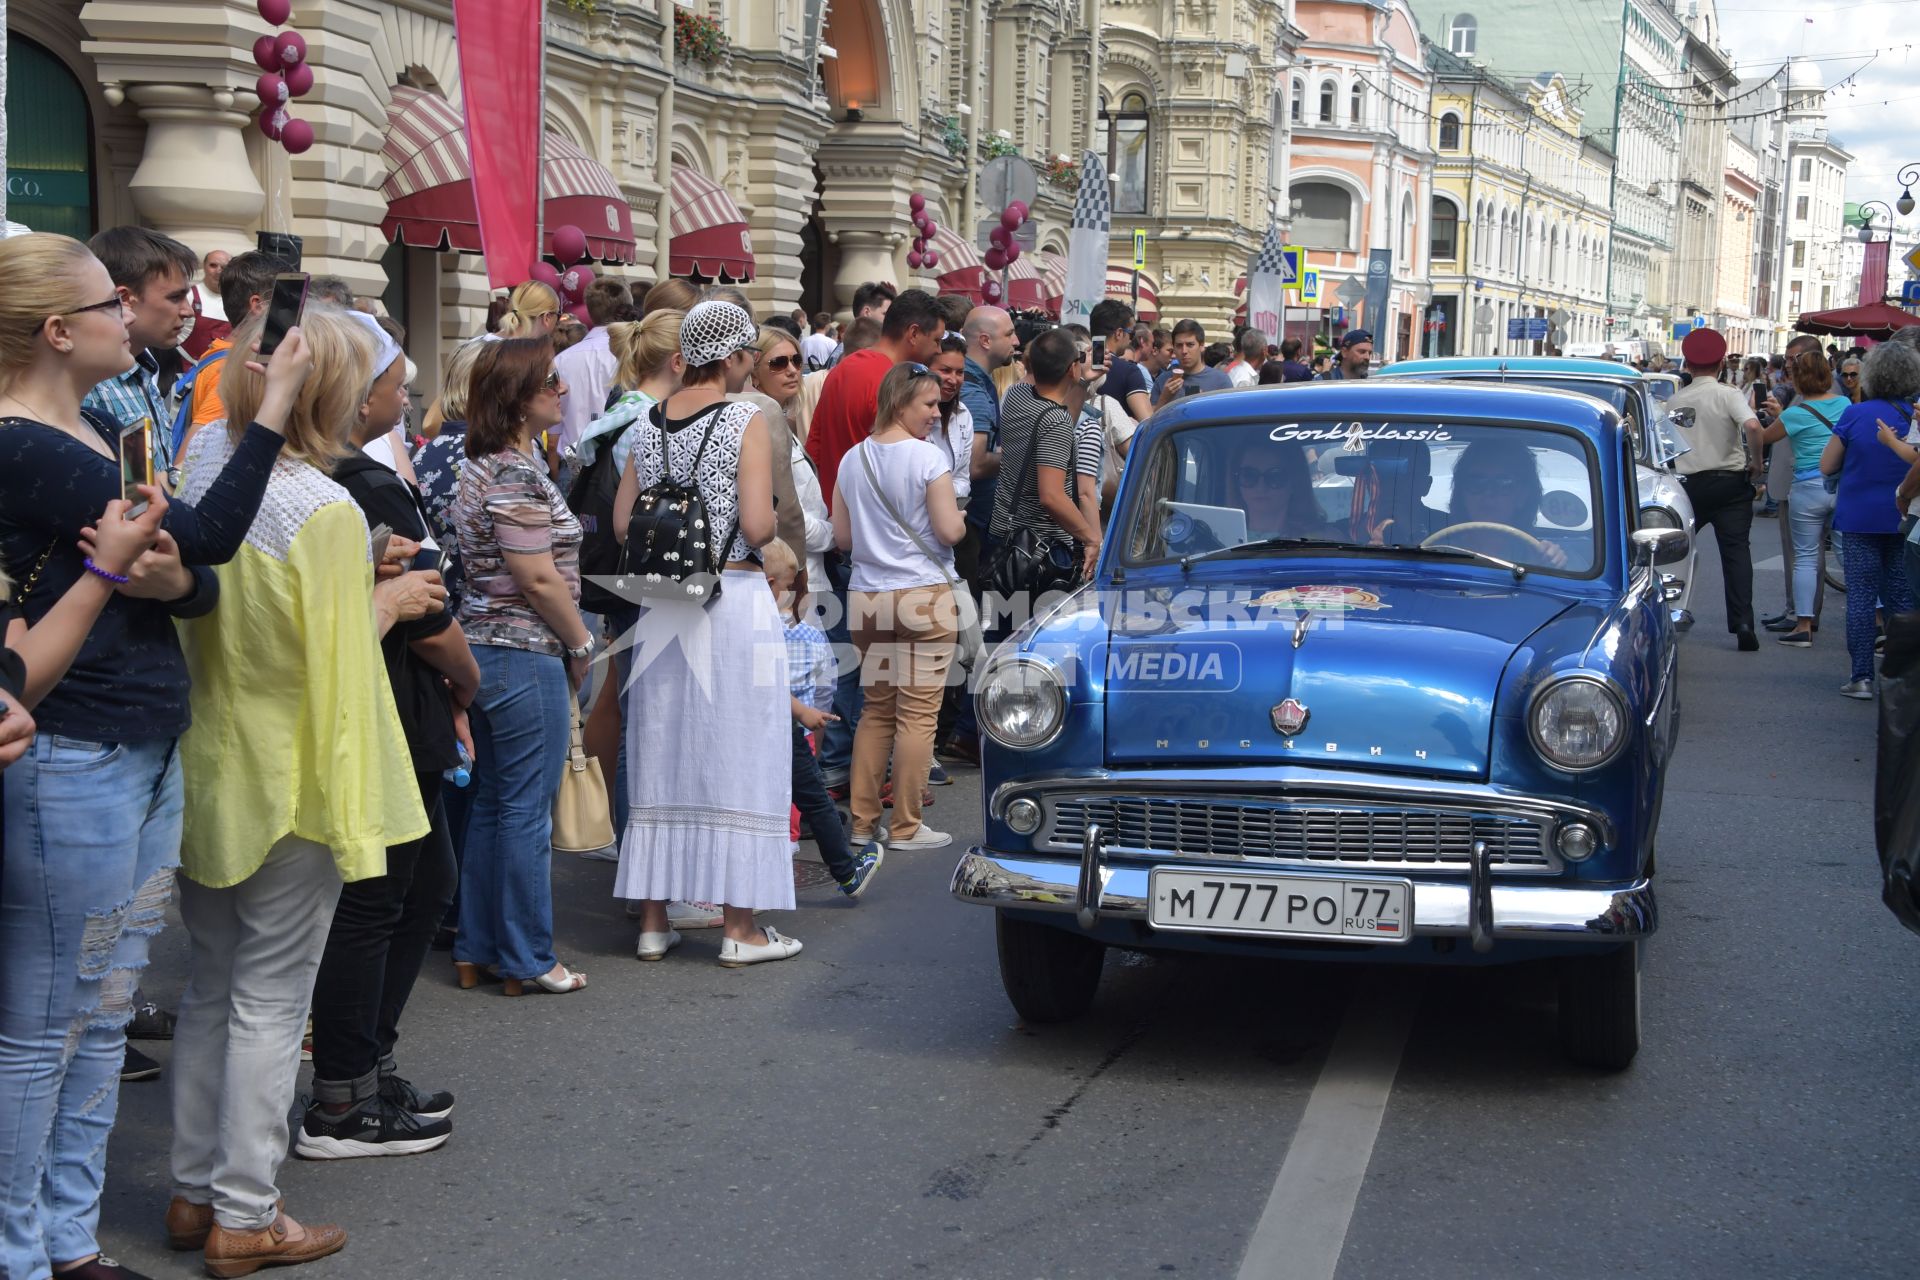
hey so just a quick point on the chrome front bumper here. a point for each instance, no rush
(1098, 890)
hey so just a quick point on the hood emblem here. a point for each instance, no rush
(1290, 717)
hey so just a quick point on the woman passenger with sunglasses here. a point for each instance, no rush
(1270, 482)
(520, 552)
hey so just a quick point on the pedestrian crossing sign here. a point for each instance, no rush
(1293, 259)
(1310, 286)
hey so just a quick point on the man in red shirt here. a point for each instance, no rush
(850, 398)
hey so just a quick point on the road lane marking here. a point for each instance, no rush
(1304, 1226)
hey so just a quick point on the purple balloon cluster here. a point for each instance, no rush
(1002, 252)
(923, 254)
(286, 75)
(570, 280)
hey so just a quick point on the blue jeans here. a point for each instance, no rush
(520, 718)
(93, 839)
(1809, 516)
(836, 739)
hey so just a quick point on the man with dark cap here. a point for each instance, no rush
(1723, 473)
(1355, 358)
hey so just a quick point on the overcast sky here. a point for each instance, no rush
(1876, 42)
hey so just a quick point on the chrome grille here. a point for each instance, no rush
(1302, 831)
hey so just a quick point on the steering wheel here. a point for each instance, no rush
(1535, 549)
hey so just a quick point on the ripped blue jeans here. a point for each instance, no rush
(92, 841)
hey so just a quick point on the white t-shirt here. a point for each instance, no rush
(884, 557)
(816, 349)
(1243, 374)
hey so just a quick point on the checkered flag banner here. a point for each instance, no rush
(1087, 244)
(1265, 282)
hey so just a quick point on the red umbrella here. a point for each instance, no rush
(1871, 320)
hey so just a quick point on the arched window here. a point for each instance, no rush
(1450, 132)
(1125, 136)
(1356, 106)
(1299, 98)
(1324, 216)
(1444, 244)
(1326, 102)
(1464, 38)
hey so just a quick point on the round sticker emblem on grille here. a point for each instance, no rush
(1290, 717)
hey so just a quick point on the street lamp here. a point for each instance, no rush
(1908, 176)
(1866, 220)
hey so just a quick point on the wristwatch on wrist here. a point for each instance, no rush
(584, 651)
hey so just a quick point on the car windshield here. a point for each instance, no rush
(1522, 494)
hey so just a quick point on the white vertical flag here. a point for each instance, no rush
(1265, 281)
(1087, 244)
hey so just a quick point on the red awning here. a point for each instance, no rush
(1120, 285)
(960, 268)
(1025, 289)
(429, 185)
(710, 235)
(1053, 281)
(1873, 320)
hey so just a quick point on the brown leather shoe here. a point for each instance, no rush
(282, 1243)
(188, 1224)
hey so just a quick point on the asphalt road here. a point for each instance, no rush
(874, 1108)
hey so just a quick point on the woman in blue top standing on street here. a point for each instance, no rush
(1870, 473)
(1808, 424)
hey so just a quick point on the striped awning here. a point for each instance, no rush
(1025, 289)
(710, 235)
(960, 268)
(429, 184)
(1053, 276)
(1120, 285)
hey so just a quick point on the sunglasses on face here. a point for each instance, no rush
(1850, 374)
(1503, 485)
(1256, 477)
(779, 364)
(111, 304)
(552, 381)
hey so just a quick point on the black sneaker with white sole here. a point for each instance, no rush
(138, 1066)
(401, 1092)
(374, 1128)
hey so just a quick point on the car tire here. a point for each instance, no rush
(1050, 974)
(1600, 1008)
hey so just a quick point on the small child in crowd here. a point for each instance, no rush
(811, 676)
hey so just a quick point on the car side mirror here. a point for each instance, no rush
(1660, 546)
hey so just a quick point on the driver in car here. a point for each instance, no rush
(1496, 482)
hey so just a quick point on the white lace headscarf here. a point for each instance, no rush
(714, 330)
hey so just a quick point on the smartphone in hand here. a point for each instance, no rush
(283, 312)
(136, 464)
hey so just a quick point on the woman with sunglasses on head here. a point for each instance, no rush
(291, 794)
(520, 551)
(893, 509)
(93, 808)
(709, 772)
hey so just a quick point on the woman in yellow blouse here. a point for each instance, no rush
(295, 784)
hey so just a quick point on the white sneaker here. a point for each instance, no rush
(654, 946)
(738, 955)
(925, 838)
(694, 915)
(609, 854)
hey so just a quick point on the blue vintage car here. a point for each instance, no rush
(1377, 671)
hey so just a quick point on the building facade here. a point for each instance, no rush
(1737, 277)
(1816, 199)
(793, 145)
(1519, 222)
(1360, 102)
(1703, 165)
(1761, 130)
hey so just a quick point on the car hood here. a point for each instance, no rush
(1394, 670)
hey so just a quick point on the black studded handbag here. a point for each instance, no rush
(672, 551)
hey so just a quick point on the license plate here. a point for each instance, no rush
(1282, 906)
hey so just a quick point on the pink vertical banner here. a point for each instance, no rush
(1873, 270)
(500, 48)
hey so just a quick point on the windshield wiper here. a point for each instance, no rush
(1518, 571)
(1258, 545)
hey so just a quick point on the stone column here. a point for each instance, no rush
(194, 181)
(868, 172)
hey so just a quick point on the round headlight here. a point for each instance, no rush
(1022, 703)
(1578, 723)
(1660, 516)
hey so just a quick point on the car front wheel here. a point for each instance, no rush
(1600, 1008)
(1050, 974)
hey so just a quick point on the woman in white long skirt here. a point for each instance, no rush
(709, 753)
